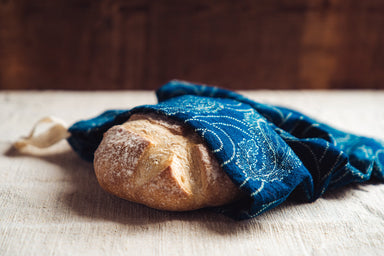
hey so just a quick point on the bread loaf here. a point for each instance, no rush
(156, 161)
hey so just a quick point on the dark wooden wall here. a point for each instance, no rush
(141, 44)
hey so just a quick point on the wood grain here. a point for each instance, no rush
(141, 44)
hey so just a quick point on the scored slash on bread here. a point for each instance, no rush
(156, 161)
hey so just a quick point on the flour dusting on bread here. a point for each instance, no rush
(154, 160)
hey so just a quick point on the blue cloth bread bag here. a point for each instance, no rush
(269, 152)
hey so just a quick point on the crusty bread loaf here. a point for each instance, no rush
(156, 161)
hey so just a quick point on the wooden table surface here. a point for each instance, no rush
(51, 203)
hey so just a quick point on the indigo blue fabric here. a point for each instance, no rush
(269, 152)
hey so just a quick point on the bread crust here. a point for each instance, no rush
(159, 162)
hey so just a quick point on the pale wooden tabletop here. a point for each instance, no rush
(51, 204)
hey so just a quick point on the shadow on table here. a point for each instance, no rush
(87, 199)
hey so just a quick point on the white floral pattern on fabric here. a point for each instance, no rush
(268, 151)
